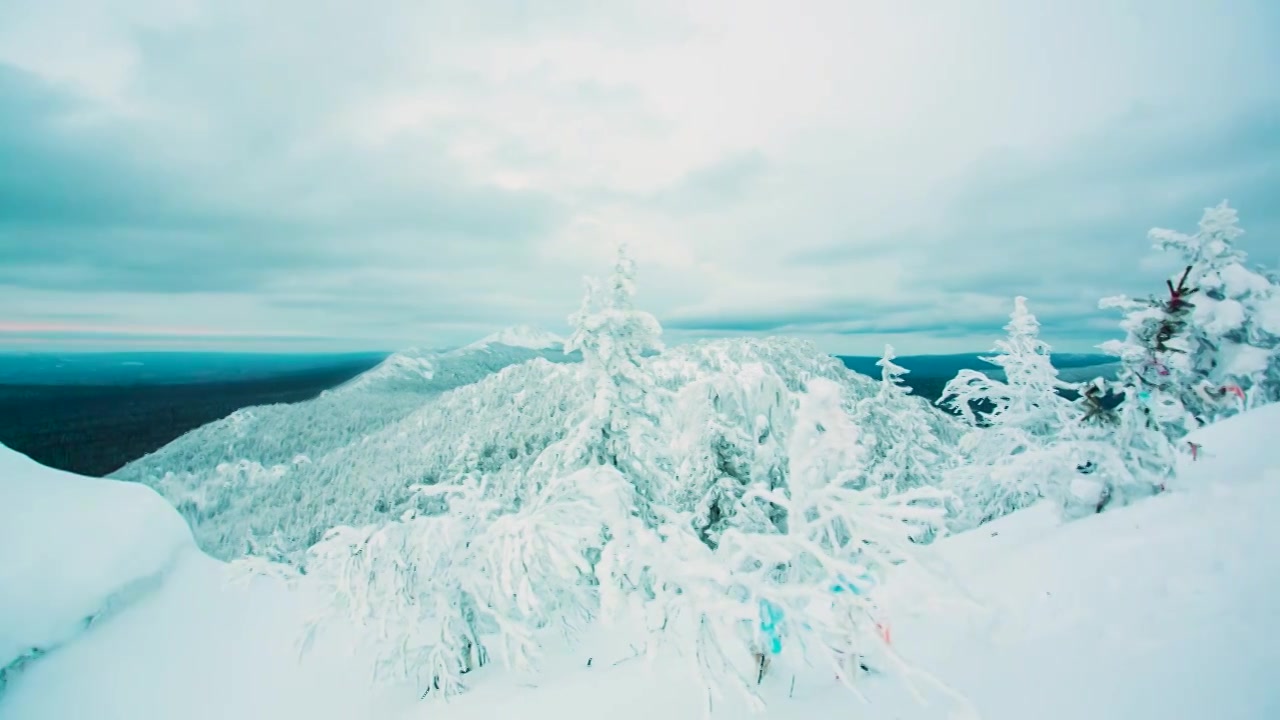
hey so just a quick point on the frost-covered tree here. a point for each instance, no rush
(1034, 443)
(728, 432)
(1213, 345)
(797, 590)
(1155, 337)
(1234, 329)
(437, 594)
(905, 448)
(619, 427)
(1027, 399)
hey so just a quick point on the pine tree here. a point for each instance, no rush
(1032, 445)
(619, 427)
(1151, 357)
(729, 433)
(797, 591)
(1027, 399)
(905, 450)
(1233, 332)
(1213, 346)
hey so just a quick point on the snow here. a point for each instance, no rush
(1269, 315)
(521, 336)
(1163, 609)
(1220, 317)
(74, 548)
(1240, 360)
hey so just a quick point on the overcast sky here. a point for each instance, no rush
(315, 174)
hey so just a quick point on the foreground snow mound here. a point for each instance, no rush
(75, 548)
(1232, 448)
(199, 648)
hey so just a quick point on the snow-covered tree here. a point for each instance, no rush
(729, 433)
(798, 590)
(1027, 399)
(438, 594)
(1034, 444)
(1156, 337)
(619, 427)
(1212, 346)
(905, 449)
(1234, 329)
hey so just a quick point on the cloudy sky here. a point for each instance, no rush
(315, 174)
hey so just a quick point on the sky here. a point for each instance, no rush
(314, 175)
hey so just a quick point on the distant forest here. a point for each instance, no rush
(96, 429)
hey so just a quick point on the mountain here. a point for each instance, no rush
(946, 366)
(521, 336)
(288, 470)
(272, 479)
(929, 374)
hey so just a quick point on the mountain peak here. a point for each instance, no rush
(523, 336)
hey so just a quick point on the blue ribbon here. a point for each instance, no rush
(770, 617)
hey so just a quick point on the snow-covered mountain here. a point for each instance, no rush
(1160, 610)
(273, 479)
(286, 470)
(521, 336)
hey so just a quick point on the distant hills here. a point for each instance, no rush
(93, 412)
(177, 368)
(930, 373)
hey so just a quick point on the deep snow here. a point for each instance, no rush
(1165, 609)
(73, 548)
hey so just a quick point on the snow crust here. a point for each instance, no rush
(1163, 609)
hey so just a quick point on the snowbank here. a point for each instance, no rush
(74, 548)
(1233, 449)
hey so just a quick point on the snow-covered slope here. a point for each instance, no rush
(342, 456)
(1164, 609)
(71, 550)
(270, 480)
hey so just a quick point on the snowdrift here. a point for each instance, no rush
(1158, 610)
(74, 550)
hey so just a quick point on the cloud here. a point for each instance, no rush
(1067, 225)
(422, 172)
(91, 205)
